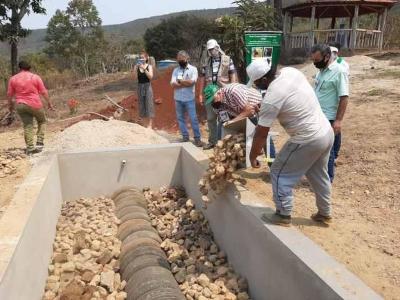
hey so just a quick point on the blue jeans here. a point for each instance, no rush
(334, 154)
(189, 107)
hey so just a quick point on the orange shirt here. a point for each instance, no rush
(27, 88)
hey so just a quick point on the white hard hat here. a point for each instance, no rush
(211, 44)
(334, 49)
(257, 69)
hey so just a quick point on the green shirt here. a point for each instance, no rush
(331, 84)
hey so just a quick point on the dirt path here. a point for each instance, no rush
(366, 207)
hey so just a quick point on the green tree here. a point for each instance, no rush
(11, 14)
(61, 38)
(183, 32)
(251, 15)
(76, 36)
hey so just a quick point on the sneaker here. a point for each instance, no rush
(184, 140)
(277, 219)
(198, 143)
(317, 217)
(39, 146)
(208, 146)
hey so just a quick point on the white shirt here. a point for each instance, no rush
(291, 99)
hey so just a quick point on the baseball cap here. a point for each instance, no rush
(257, 69)
(209, 92)
(211, 44)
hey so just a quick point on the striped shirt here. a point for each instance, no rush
(236, 96)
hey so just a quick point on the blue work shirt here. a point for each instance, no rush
(331, 84)
(184, 94)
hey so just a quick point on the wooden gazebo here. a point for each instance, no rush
(348, 33)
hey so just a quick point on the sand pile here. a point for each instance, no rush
(97, 134)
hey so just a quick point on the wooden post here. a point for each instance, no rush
(333, 23)
(285, 23)
(382, 29)
(312, 26)
(354, 26)
(291, 23)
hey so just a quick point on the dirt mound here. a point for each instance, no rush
(97, 134)
(165, 115)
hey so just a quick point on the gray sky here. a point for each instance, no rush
(121, 11)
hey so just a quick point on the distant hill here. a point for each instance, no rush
(130, 30)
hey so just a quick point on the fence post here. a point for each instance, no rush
(354, 25)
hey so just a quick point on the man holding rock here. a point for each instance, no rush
(218, 70)
(291, 99)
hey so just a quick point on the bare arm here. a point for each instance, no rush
(187, 83)
(337, 125)
(247, 112)
(10, 100)
(202, 83)
(45, 95)
(259, 140)
(149, 72)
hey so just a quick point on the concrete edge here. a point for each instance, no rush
(307, 254)
(26, 223)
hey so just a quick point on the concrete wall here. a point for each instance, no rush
(27, 232)
(88, 174)
(279, 263)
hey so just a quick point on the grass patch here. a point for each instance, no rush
(376, 92)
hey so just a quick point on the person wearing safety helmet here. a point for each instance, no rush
(218, 69)
(291, 99)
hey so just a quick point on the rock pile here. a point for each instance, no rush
(229, 154)
(8, 159)
(197, 263)
(85, 262)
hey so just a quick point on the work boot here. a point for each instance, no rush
(198, 143)
(317, 217)
(39, 146)
(184, 140)
(277, 219)
(208, 146)
(32, 151)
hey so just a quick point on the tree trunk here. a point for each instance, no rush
(278, 14)
(14, 57)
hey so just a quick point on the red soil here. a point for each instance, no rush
(165, 115)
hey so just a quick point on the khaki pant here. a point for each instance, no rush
(27, 115)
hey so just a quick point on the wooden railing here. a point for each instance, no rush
(365, 39)
(298, 40)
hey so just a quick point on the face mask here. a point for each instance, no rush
(262, 85)
(216, 105)
(321, 64)
(183, 64)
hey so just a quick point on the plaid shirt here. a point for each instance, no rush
(236, 96)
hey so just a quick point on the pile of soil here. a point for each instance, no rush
(97, 134)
